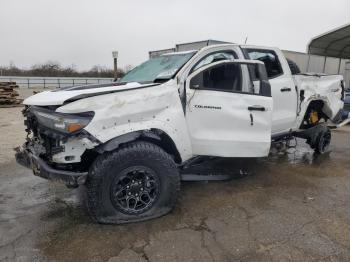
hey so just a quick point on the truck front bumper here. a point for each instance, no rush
(40, 168)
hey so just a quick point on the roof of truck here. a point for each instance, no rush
(335, 43)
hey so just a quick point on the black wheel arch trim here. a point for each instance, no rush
(156, 136)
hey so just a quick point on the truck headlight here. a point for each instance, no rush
(66, 123)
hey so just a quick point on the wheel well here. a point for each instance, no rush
(165, 142)
(314, 106)
(155, 136)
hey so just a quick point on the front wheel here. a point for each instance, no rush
(137, 182)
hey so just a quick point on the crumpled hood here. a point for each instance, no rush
(59, 96)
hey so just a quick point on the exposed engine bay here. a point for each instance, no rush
(60, 149)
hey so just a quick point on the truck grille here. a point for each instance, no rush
(40, 137)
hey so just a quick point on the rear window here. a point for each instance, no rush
(269, 58)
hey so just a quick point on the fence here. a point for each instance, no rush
(52, 82)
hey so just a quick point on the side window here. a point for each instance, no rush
(224, 77)
(214, 57)
(270, 59)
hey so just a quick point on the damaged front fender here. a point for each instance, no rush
(126, 138)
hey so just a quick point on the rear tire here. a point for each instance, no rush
(139, 181)
(323, 141)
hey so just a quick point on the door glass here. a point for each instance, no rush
(212, 58)
(226, 77)
(270, 59)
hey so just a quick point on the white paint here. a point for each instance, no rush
(119, 113)
(324, 88)
(73, 148)
(58, 98)
(228, 131)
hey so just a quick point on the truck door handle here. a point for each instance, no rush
(256, 108)
(286, 89)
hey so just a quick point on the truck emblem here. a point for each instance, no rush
(208, 107)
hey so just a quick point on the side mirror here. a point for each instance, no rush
(265, 87)
(196, 81)
(257, 72)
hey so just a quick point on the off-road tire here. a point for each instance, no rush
(108, 166)
(323, 141)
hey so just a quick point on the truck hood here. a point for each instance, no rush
(60, 96)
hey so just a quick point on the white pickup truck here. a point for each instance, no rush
(127, 140)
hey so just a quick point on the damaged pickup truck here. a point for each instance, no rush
(126, 141)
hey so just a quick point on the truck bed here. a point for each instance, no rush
(327, 88)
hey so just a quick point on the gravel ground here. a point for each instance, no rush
(292, 207)
(12, 132)
(11, 126)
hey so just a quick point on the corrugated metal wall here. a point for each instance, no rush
(317, 64)
(186, 47)
(321, 64)
(197, 45)
(153, 54)
(347, 74)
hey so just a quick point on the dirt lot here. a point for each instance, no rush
(293, 207)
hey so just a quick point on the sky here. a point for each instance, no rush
(85, 32)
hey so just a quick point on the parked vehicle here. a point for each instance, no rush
(346, 111)
(126, 141)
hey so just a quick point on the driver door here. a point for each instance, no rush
(225, 118)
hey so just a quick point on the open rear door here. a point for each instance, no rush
(225, 115)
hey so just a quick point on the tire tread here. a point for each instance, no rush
(105, 161)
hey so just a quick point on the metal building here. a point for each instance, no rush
(153, 54)
(186, 47)
(334, 46)
(328, 53)
(198, 45)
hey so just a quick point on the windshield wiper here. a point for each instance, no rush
(161, 80)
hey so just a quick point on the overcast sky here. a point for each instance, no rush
(84, 32)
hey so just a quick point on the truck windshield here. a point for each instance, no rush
(160, 68)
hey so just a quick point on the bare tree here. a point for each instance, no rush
(55, 69)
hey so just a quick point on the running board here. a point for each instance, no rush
(198, 177)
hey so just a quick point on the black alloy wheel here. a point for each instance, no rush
(135, 190)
